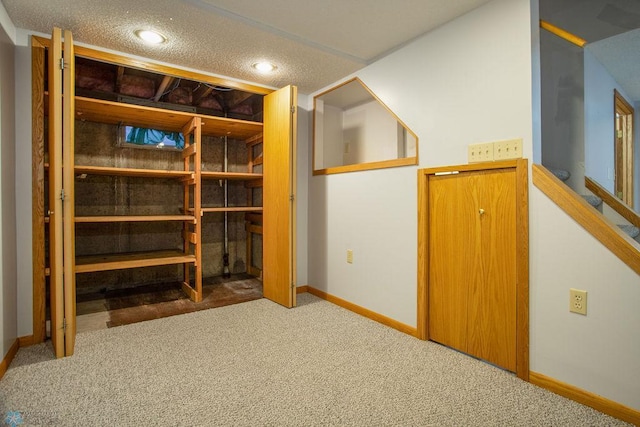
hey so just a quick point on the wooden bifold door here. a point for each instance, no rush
(276, 134)
(476, 275)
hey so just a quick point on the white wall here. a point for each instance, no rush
(8, 285)
(371, 132)
(331, 144)
(599, 124)
(472, 81)
(303, 155)
(599, 352)
(466, 82)
(23, 190)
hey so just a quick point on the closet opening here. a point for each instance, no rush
(159, 230)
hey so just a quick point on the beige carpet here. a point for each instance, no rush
(258, 364)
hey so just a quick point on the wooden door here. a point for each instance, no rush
(623, 148)
(61, 194)
(56, 243)
(278, 238)
(472, 264)
(451, 245)
(492, 288)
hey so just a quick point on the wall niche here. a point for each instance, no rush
(355, 131)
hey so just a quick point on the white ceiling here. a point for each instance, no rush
(313, 43)
(610, 28)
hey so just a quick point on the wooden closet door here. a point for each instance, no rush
(278, 238)
(452, 248)
(61, 194)
(56, 270)
(68, 184)
(472, 264)
(492, 293)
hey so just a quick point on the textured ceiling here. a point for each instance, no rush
(611, 29)
(313, 43)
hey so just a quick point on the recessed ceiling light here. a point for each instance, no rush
(151, 37)
(264, 67)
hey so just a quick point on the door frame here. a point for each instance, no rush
(623, 115)
(522, 251)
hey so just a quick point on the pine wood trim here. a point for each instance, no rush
(423, 258)
(522, 269)
(255, 229)
(522, 255)
(504, 164)
(623, 246)
(37, 192)
(238, 176)
(146, 65)
(131, 172)
(116, 113)
(407, 161)
(8, 358)
(592, 400)
(387, 321)
(234, 209)
(254, 140)
(191, 292)
(571, 38)
(254, 217)
(87, 264)
(625, 211)
(302, 289)
(26, 341)
(133, 218)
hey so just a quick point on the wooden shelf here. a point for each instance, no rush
(146, 173)
(115, 113)
(234, 209)
(237, 176)
(133, 218)
(87, 264)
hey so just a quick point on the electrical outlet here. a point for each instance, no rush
(350, 256)
(577, 301)
(480, 152)
(510, 149)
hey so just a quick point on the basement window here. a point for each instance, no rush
(355, 131)
(137, 137)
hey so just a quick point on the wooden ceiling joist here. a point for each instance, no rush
(166, 81)
(119, 76)
(201, 93)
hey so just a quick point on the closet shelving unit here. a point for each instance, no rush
(193, 127)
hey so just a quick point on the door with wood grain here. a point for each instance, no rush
(472, 263)
(62, 278)
(279, 215)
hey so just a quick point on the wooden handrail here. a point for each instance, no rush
(623, 246)
(571, 38)
(616, 204)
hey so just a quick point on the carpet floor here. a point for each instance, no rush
(259, 364)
